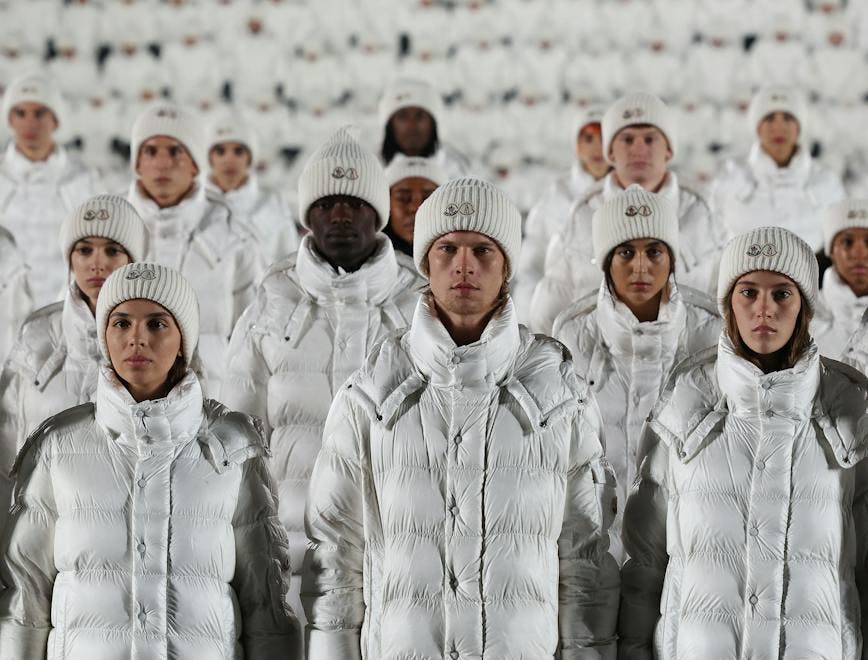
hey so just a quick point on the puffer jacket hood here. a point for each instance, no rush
(571, 272)
(756, 192)
(626, 364)
(218, 254)
(171, 545)
(747, 528)
(308, 329)
(35, 197)
(840, 326)
(460, 503)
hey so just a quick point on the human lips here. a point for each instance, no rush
(95, 281)
(137, 360)
(642, 286)
(763, 330)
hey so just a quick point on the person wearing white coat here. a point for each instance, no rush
(627, 337)
(40, 181)
(548, 215)
(840, 326)
(232, 149)
(779, 183)
(54, 361)
(192, 230)
(460, 502)
(316, 315)
(144, 524)
(16, 298)
(639, 140)
(747, 527)
(411, 181)
(410, 114)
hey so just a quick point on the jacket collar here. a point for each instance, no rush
(749, 392)
(481, 365)
(579, 180)
(79, 328)
(669, 189)
(188, 212)
(840, 299)
(372, 283)
(766, 169)
(627, 337)
(172, 420)
(242, 198)
(22, 168)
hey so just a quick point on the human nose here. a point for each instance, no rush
(465, 262)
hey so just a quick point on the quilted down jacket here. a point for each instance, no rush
(308, 329)
(544, 220)
(840, 325)
(16, 298)
(756, 192)
(52, 366)
(145, 530)
(748, 526)
(220, 257)
(460, 503)
(570, 269)
(626, 364)
(35, 197)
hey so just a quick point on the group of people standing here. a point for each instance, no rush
(397, 467)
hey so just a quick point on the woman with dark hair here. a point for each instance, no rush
(145, 523)
(627, 336)
(747, 527)
(410, 112)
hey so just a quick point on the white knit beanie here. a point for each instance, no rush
(106, 216)
(468, 204)
(849, 214)
(170, 120)
(634, 214)
(342, 166)
(636, 109)
(410, 93)
(768, 248)
(149, 281)
(34, 87)
(403, 167)
(229, 126)
(776, 98)
(593, 114)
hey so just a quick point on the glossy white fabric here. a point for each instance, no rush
(16, 297)
(840, 326)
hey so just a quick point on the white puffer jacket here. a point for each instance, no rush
(570, 268)
(757, 193)
(544, 220)
(840, 326)
(35, 197)
(308, 329)
(218, 254)
(145, 530)
(626, 364)
(16, 298)
(460, 504)
(748, 526)
(267, 212)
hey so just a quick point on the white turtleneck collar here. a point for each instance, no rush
(242, 198)
(23, 169)
(172, 420)
(627, 337)
(766, 169)
(189, 210)
(370, 284)
(669, 189)
(79, 328)
(749, 392)
(840, 299)
(480, 365)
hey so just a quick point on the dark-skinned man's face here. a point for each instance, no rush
(343, 230)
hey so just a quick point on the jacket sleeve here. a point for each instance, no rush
(332, 582)
(27, 569)
(533, 252)
(644, 535)
(269, 626)
(9, 432)
(554, 292)
(249, 268)
(860, 519)
(588, 585)
(245, 381)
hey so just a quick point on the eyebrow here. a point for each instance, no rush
(154, 315)
(772, 286)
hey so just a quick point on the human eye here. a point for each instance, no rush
(84, 250)
(174, 151)
(157, 324)
(120, 323)
(150, 150)
(113, 251)
(782, 294)
(747, 292)
(356, 203)
(239, 151)
(482, 250)
(219, 150)
(447, 248)
(625, 252)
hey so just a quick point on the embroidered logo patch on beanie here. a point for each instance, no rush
(767, 250)
(102, 214)
(142, 271)
(857, 214)
(632, 211)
